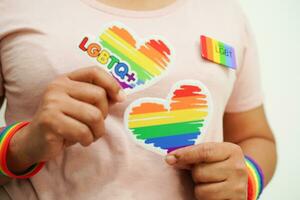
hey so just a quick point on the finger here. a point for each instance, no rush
(85, 113)
(89, 93)
(206, 152)
(211, 173)
(172, 160)
(68, 143)
(212, 191)
(101, 78)
(72, 130)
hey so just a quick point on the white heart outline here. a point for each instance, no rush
(139, 41)
(166, 103)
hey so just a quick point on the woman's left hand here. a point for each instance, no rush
(218, 170)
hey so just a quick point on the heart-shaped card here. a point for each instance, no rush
(135, 63)
(164, 125)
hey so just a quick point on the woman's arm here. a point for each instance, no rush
(251, 131)
(72, 110)
(3, 179)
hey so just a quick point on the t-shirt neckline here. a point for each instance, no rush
(133, 13)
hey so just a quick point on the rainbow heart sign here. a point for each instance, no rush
(163, 125)
(134, 63)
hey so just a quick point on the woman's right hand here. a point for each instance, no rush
(72, 110)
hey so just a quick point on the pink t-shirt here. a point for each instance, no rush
(39, 40)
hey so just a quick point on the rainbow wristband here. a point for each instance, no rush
(255, 179)
(5, 136)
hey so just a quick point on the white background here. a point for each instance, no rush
(276, 24)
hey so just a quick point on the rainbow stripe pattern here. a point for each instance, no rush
(218, 52)
(149, 61)
(166, 125)
(255, 179)
(5, 136)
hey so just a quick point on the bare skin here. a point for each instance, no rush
(72, 110)
(218, 169)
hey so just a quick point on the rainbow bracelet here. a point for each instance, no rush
(255, 179)
(5, 136)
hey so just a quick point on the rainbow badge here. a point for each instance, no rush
(135, 63)
(163, 126)
(218, 52)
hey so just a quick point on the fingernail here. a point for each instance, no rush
(121, 96)
(171, 159)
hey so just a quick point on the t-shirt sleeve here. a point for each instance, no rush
(247, 92)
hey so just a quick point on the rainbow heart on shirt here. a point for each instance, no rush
(136, 64)
(163, 126)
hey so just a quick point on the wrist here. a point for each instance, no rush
(255, 179)
(5, 138)
(18, 158)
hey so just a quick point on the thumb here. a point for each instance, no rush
(68, 143)
(173, 161)
(201, 153)
(182, 158)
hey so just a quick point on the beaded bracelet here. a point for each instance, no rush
(5, 136)
(255, 179)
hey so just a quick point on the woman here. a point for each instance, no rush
(46, 80)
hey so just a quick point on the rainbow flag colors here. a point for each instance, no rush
(218, 52)
(255, 179)
(134, 63)
(166, 125)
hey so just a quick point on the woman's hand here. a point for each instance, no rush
(218, 170)
(72, 110)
